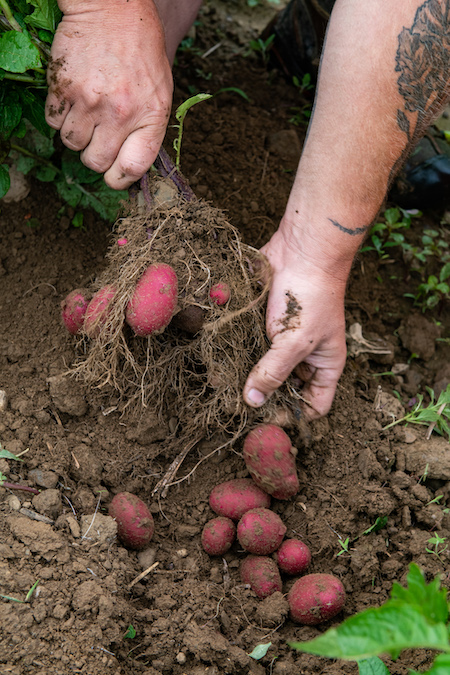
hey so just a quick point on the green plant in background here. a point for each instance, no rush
(261, 47)
(433, 290)
(26, 33)
(180, 115)
(302, 114)
(413, 617)
(255, 3)
(439, 546)
(387, 234)
(436, 415)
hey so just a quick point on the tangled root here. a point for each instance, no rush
(196, 378)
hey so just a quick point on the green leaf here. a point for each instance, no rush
(372, 666)
(427, 598)
(46, 174)
(24, 164)
(260, 651)
(46, 14)
(34, 111)
(74, 167)
(10, 111)
(4, 187)
(445, 272)
(235, 90)
(18, 53)
(392, 216)
(130, 633)
(98, 196)
(6, 454)
(182, 109)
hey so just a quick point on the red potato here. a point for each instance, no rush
(218, 535)
(220, 293)
(98, 310)
(135, 525)
(154, 300)
(234, 497)
(293, 556)
(73, 309)
(260, 531)
(315, 598)
(270, 459)
(261, 574)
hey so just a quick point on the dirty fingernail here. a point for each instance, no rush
(256, 397)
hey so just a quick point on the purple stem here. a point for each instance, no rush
(145, 187)
(166, 168)
(25, 488)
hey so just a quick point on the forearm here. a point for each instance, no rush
(383, 78)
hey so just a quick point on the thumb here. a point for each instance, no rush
(135, 157)
(272, 369)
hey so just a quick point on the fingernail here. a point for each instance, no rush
(256, 397)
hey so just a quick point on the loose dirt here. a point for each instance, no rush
(191, 612)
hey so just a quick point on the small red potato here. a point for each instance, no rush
(260, 531)
(315, 598)
(234, 497)
(220, 293)
(154, 300)
(135, 525)
(293, 556)
(73, 309)
(261, 574)
(270, 459)
(218, 535)
(98, 310)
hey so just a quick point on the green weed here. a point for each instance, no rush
(439, 546)
(436, 415)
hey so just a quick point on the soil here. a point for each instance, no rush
(191, 613)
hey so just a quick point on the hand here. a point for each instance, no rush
(110, 86)
(305, 323)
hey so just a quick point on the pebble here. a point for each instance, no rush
(45, 479)
(3, 400)
(13, 502)
(181, 658)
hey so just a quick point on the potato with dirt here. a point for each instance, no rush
(135, 525)
(270, 459)
(293, 557)
(315, 598)
(260, 531)
(154, 300)
(218, 535)
(73, 309)
(234, 497)
(261, 574)
(98, 311)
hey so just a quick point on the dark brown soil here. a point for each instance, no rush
(191, 613)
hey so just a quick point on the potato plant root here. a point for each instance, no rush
(198, 378)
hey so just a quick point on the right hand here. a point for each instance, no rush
(110, 86)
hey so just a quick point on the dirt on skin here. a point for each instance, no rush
(191, 612)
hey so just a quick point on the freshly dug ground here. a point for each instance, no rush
(191, 612)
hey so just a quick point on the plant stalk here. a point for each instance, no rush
(6, 9)
(28, 153)
(24, 488)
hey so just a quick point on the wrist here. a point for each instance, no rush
(69, 7)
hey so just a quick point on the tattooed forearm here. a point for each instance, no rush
(423, 61)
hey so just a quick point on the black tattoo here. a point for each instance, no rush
(347, 230)
(423, 61)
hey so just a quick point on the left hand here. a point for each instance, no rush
(305, 323)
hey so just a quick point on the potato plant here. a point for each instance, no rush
(26, 33)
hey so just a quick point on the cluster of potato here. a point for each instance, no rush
(242, 508)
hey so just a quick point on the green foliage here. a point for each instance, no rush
(436, 413)
(413, 617)
(385, 235)
(302, 114)
(26, 32)
(180, 115)
(260, 651)
(255, 3)
(130, 633)
(438, 544)
(261, 47)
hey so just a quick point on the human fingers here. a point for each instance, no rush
(56, 109)
(273, 369)
(134, 158)
(318, 392)
(74, 135)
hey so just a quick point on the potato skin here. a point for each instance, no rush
(97, 311)
(135, 525)
(190, 319)
(315, 598)
(154, 300)
(73, 309)
(218, 535)
(220, 293)
(261, 574)
(270, 460)
(293, 556)
(234, 497)
(260, 531)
